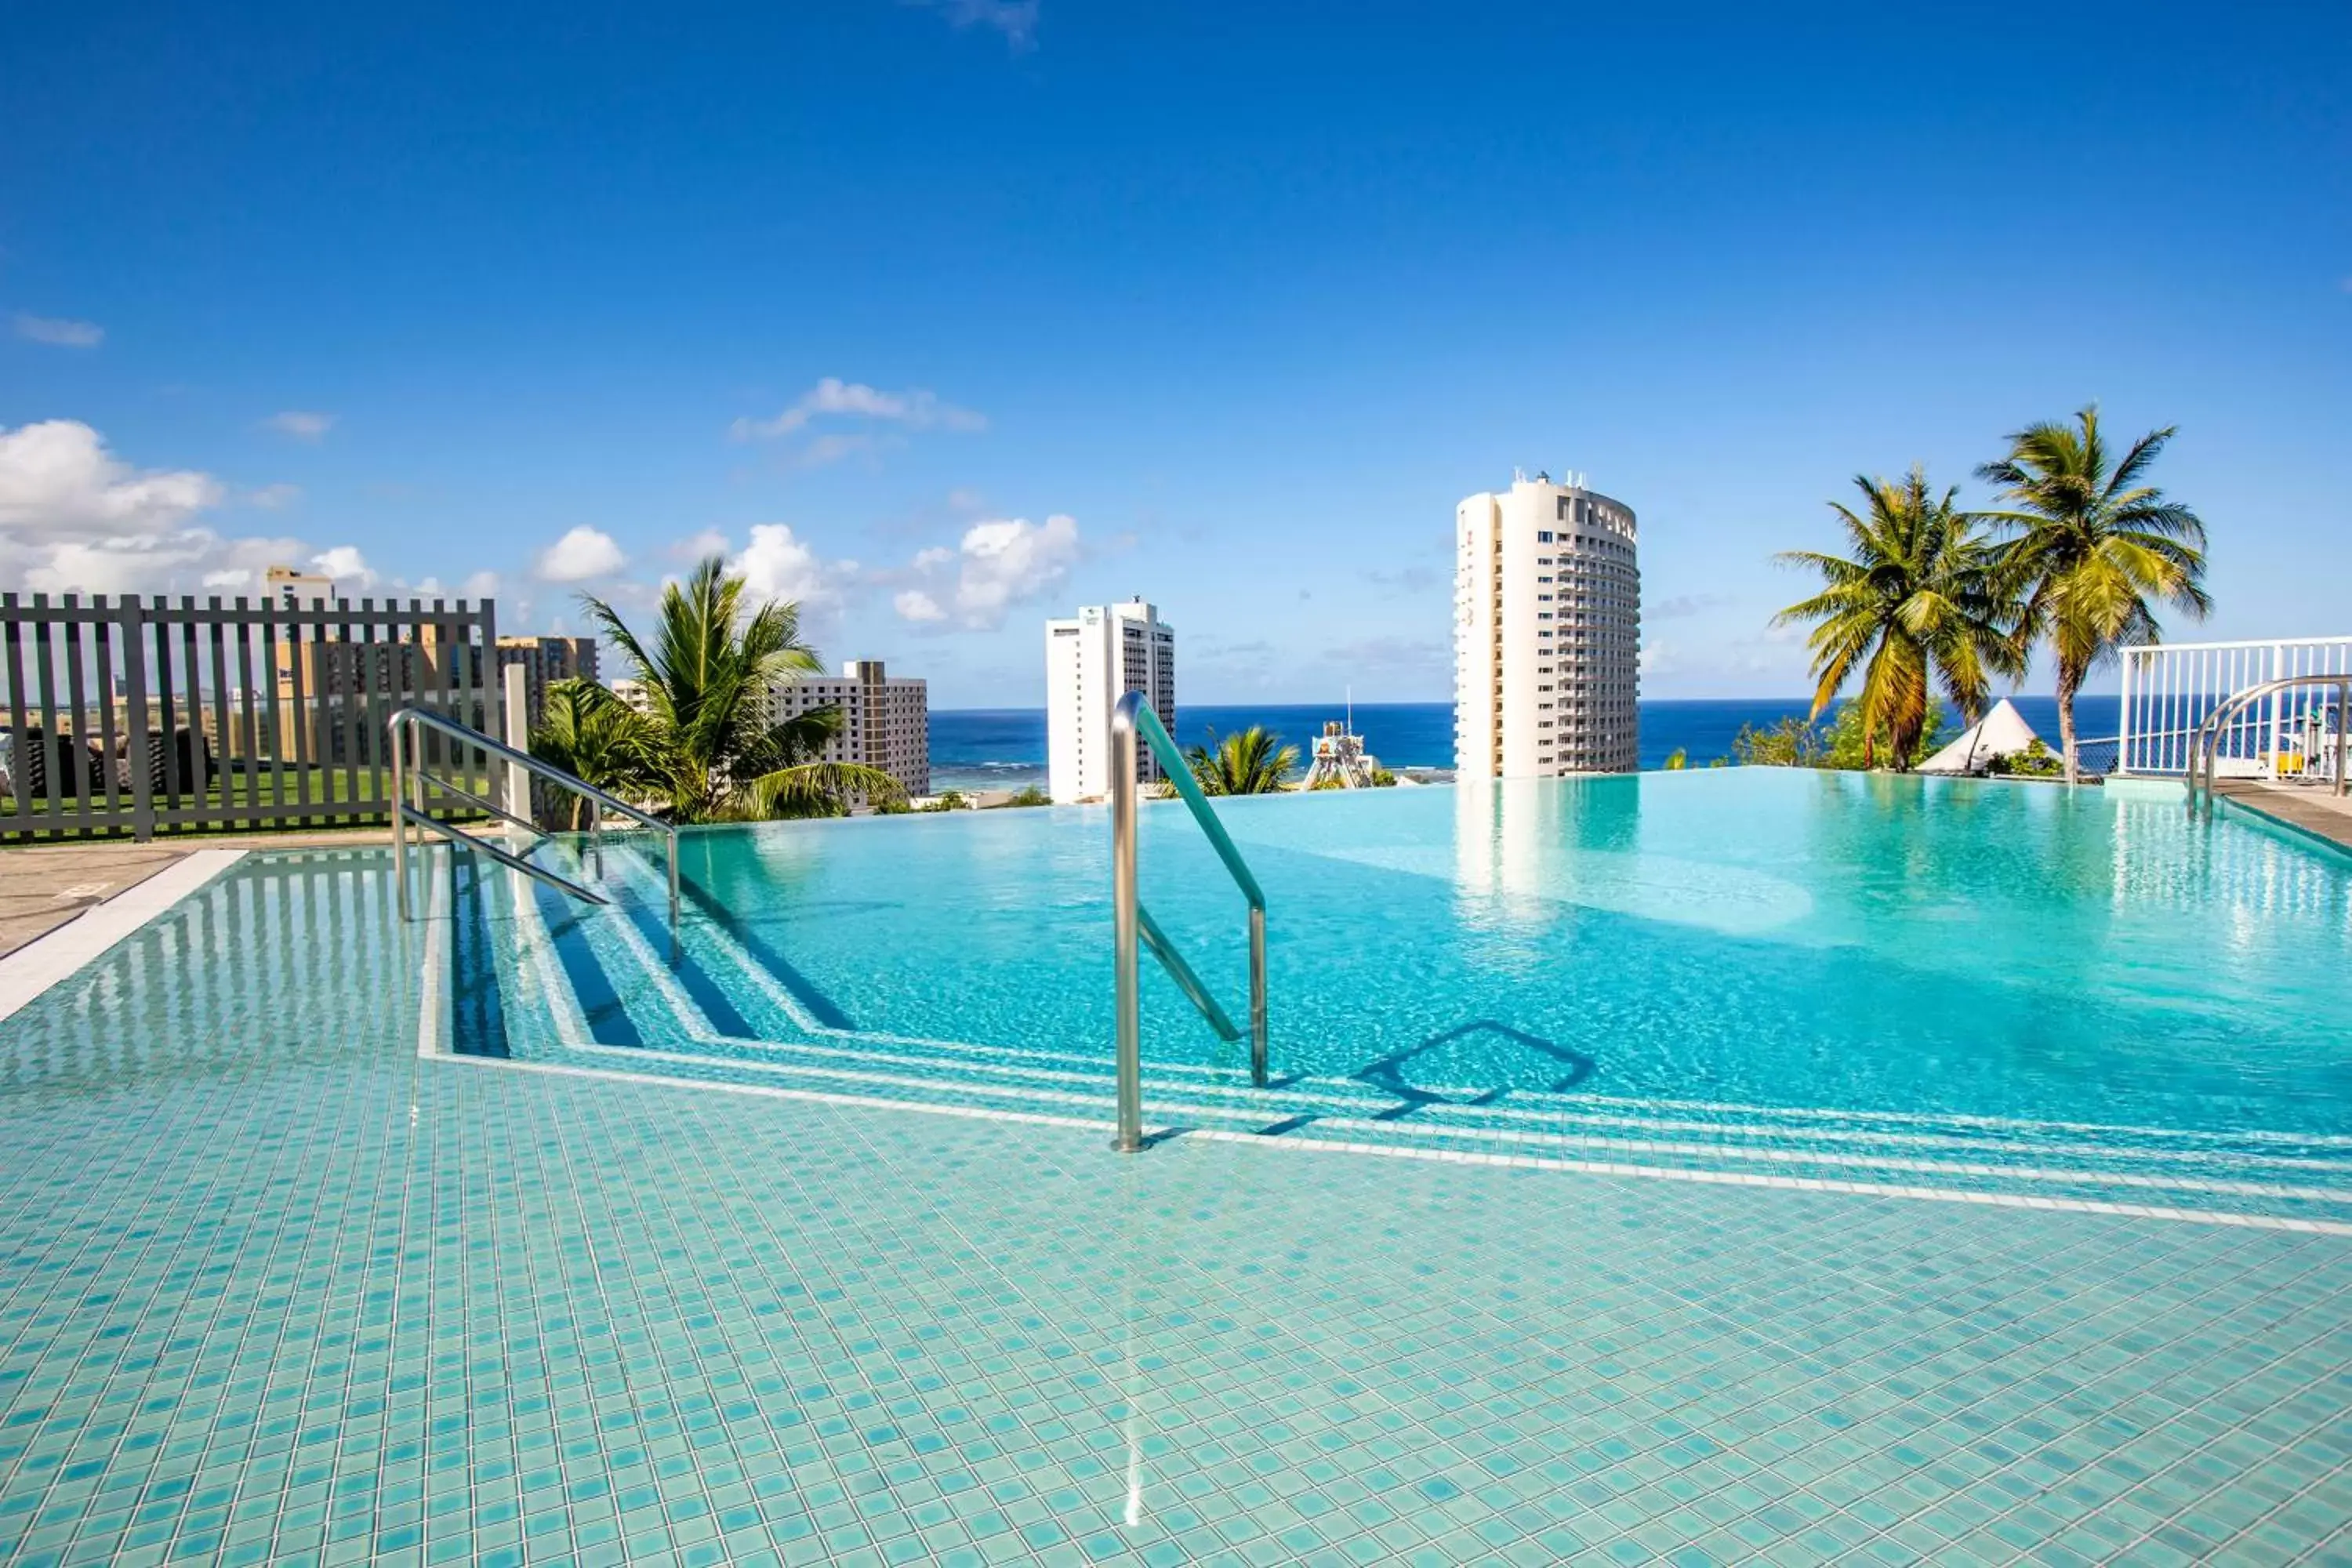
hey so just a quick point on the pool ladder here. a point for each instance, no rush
(2205, 751)
(410, 780)
(1133, 927)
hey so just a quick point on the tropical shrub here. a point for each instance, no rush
(709, 750)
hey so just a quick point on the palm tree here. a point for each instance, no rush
(1922, 595)
(1251, 762)
(2089, 544)
(596, 738)
(711, 750)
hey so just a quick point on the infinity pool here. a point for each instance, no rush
(1724, 1168)
(1769, 937)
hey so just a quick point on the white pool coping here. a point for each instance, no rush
(58, 955)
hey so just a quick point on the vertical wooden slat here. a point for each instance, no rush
(74, 692)
(167, 707)
(19, 748)
(117, 795)
(132, 614)
(274, 713)
(305, 734)
(55, 756)
(247, 739)
(193, 775)
(220, 768)
(358, 734)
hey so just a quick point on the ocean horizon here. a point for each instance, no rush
(1004, 748)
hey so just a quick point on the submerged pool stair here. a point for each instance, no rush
(597, 989)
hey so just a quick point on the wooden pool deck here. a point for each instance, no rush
(2315, 808)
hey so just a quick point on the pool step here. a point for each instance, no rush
(641, 1014)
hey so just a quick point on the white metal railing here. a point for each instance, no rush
(2170, 689)
(2318, 763)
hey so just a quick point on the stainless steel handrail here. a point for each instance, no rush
(1132, 926)
(409, 780)
(2207, 747)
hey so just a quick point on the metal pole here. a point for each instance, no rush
(596, 839)
(2342, 724)
(1257, 995)
(399, 823)
(1126, 997)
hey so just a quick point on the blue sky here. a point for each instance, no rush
(975, 310)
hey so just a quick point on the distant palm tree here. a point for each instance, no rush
(711, 751)
(1678, 760)
(2089, 545)
(1253, 761)
(597, 739)
(1921, 595)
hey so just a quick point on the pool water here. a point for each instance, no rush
(1761, 937)
(1684, 1171)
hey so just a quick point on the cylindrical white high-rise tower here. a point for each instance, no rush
(1547, 633)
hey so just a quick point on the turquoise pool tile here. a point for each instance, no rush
(647, 1313)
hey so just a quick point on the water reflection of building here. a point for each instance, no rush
(1511, 846)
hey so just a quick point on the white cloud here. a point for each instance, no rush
(58, 330)
(777, 565)
(1661, 658)
(274, 498)
(302, 424)
(344, 564)
(695, 547)
(833, 445)
(480, 586)
(76, 518)
(1016, 19)
(999, 563)
(917, 409)
(580, 555)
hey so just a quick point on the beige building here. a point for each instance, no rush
(1547, 633)
(886, 722)
(546, 660)
(327, 692)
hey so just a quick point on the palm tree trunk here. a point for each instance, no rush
(2070, 682)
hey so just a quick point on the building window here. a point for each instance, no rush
(1543, 536)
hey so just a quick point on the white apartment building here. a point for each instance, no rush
(885, 722)
(1091, 661)
(1547, 633)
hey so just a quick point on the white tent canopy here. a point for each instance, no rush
(1999, 733)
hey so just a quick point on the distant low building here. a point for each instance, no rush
(885, 722)
(632, 695)
(293, 587)
(546, 660)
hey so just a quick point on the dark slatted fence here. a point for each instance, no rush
(129, 717)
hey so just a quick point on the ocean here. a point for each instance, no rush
(1004, 748)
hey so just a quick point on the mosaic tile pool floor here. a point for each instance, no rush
(273, 1288)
